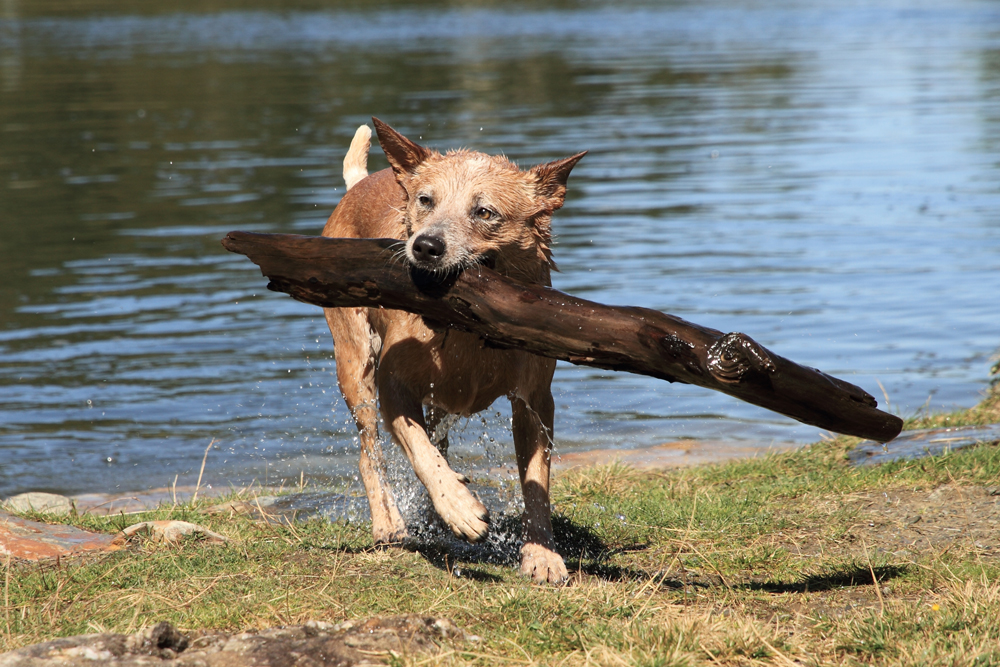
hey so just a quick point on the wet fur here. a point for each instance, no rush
(453, 211)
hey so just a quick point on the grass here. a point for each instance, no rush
(795, 558)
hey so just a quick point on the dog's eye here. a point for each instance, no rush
(425, 200)
(484, 213)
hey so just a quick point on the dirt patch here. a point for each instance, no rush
(887, 532)
(883, 536)
(907, 524)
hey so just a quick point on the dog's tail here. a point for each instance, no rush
(356, 160)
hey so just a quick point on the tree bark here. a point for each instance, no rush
(336, 273)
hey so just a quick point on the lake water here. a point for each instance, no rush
(821, 175)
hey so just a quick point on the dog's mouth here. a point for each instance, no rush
(437, 281)
(487, 259)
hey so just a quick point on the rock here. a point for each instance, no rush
(32, 540)
(162, 640)
(49, 503)
(172, 531)
(370, 642)
(104, 504)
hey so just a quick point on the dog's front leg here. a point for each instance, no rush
(465, 515)
(533, 445)
(354, 350)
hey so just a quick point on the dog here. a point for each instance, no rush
(454, 211)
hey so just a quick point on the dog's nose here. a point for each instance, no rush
(428, 249)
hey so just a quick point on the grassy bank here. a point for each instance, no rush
(769, 561)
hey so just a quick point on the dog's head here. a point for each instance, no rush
(465, 208)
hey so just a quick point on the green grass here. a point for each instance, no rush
(764, 561)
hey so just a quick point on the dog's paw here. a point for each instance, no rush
(543, 565)
(388, 528)
(461, 510)
(389, 537)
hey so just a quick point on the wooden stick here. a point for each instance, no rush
(336, 273)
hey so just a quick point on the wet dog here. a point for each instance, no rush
(454, 211)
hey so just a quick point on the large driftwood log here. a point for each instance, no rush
(367, 272)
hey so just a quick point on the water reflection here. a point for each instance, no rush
(823, 178)
(10, 54)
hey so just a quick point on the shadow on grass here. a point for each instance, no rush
(583, 550)
(849, 576)
(443, 558)
(587, 554)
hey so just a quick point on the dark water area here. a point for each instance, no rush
(823, 176)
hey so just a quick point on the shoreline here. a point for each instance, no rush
(912, 443)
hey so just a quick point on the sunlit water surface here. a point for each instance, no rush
(822, 176)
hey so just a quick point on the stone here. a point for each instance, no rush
(374, 641)
(36, 501)
(172, 531)
(105, 504)
(32, 540)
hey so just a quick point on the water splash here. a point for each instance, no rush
(481, 447)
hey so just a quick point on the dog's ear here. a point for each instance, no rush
(552, 177)
(404, 156)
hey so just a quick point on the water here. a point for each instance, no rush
(823, 176)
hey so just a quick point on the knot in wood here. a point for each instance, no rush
(368, 289)
(733, 355)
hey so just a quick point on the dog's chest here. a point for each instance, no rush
(452, 370)
(467, 375)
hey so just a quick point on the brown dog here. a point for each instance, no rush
(454, 211)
